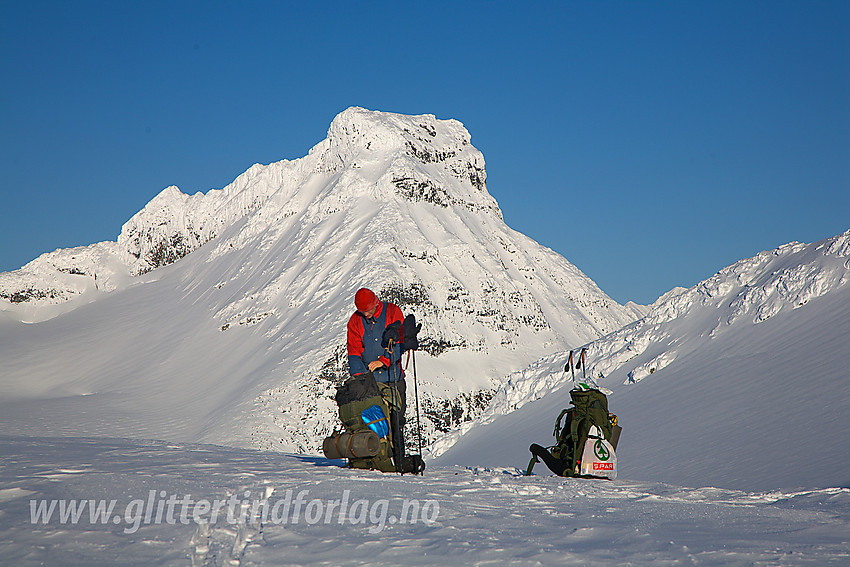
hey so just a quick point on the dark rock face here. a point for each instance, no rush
(168, 251)
(425, 190)
(412, 295)
(30, 294)
(446, 414)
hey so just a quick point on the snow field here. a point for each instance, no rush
(466, 515)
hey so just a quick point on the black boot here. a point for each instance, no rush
(412, 464)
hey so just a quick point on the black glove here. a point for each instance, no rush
(392, 332)
(409, 330)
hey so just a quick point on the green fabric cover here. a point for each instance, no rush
(350, 415)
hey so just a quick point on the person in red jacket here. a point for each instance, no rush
(369, 351)
(366, 349)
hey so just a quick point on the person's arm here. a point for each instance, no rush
(355, 347)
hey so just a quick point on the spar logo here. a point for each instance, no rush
(602, 453)
(603, 466)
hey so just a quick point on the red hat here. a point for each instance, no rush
(365, 300)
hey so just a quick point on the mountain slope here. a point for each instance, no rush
(231, 305)
(740, 381)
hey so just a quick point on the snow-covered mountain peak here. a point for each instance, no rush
(417, 158)
(382, 156)
(758, 288)
(385, 156)
(391, 202)
(357, 133)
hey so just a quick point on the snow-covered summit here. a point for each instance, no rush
(358, 135)
(269, 265)
(174, 224)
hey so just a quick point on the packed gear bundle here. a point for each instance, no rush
(371, 413)
(364, 415)
(586, 442)
(357, 445)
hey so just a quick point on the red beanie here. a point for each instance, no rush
(365, 300)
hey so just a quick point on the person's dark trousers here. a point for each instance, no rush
(557, 466)
(395, 394)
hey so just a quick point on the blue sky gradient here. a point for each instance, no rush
(651, 143)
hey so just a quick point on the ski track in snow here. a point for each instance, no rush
(485, 516)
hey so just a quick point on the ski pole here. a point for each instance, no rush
(416, 393)
(571, 366)
(399, 450)
(583, 362)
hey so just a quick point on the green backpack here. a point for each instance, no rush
(590, 407)
(358, 398)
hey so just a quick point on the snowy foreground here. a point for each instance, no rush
(309, 511)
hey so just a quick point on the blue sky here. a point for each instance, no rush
(651, 143)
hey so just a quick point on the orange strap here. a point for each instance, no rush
(376, 421)
(350, 440)
(350, 449)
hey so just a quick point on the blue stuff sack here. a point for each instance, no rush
(375, 419)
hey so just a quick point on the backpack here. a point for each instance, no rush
(361, 408)
(367, 439)
(586, 437)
